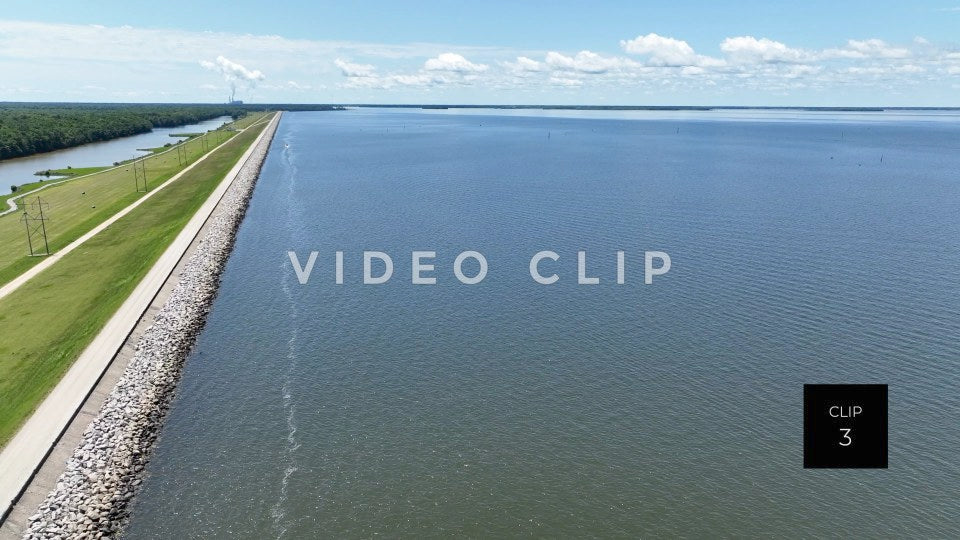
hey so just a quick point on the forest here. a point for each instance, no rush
(30, 128)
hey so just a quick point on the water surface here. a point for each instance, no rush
(21, 170)
(815, 251)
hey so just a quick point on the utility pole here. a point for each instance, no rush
(182, 156)
(140, 174)
(36, 226)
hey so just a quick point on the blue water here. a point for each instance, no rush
(810, 249)
(18, 171)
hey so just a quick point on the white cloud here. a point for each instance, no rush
(748, 49)
(454, 63)
(297, 86)
(910, 68)
(665, 51)
(233, 71)
(569, 82)
(25, 40)
(692, 70)
(349, 69)
(662, 50)
(587, 62)
(800, 71)
(869, 48)
(161, 64)
(524, 65)
(446, 69)
(387, 82)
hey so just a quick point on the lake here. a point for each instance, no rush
(805, 247)
(21, 170)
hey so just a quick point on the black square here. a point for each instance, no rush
(845, 426)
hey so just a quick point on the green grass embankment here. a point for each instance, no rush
(74, 207)
(46, 323)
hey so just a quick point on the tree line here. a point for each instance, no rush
(30, 128)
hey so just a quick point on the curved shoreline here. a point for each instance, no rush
(92, 495)
(11, 203)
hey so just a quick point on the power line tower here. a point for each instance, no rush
(35, 223)
(140, 174)
(182, 157)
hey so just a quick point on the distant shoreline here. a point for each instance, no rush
(254, 107)
(653, 107)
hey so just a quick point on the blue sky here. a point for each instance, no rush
(678, 52)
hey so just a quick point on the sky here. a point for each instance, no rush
(679, 52)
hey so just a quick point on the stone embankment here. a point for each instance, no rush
(92, 496)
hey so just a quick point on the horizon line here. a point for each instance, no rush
(860, 108)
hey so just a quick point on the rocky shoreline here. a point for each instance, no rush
(91, 498)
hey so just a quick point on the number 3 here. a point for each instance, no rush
(846, 436)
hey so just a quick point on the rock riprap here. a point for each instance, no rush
(92, 496)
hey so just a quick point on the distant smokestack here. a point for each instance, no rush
(234, 74)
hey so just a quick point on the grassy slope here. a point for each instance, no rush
(20, 189)
(79, 205)
(45, 324)
(72, 171)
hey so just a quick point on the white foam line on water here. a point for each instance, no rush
(286, 273)
(26, 452)
(292, 444)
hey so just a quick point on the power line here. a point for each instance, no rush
(140, 174)
(182, 157)
(35, 223)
